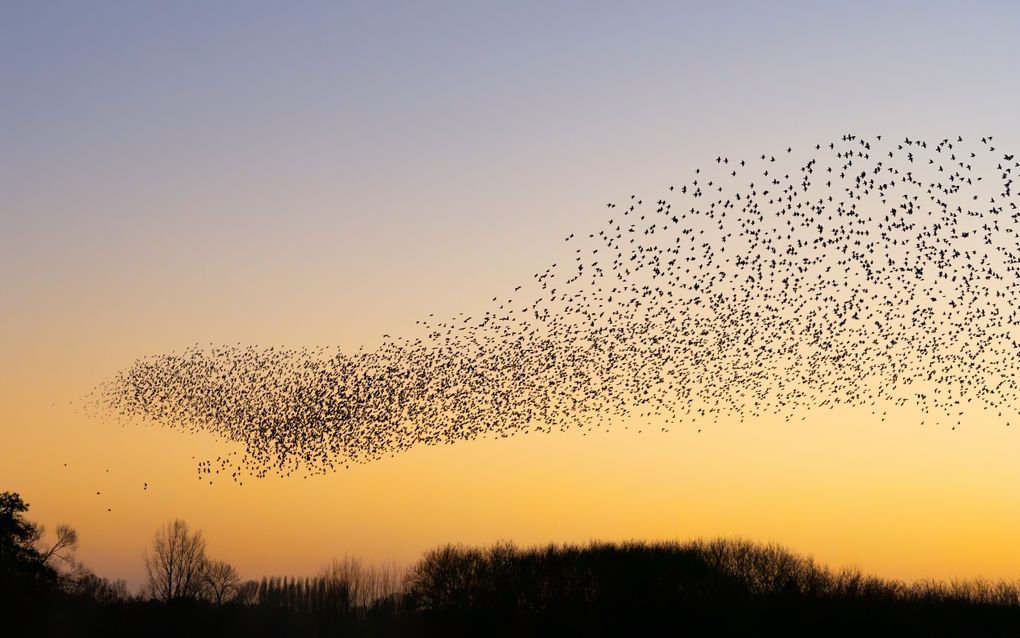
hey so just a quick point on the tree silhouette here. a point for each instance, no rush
(221, 581)
(16, 534)
(176, 564)
(21, 564)
(63, 548)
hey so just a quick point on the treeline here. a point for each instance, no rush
(717, 587)
(710, 588)
(465, 578)
(345, 585)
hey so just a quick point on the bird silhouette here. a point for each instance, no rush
(866, 273)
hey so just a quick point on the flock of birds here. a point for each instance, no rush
(871, 272)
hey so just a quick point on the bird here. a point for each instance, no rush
(860, 272)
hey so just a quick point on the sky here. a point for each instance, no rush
(327, 173)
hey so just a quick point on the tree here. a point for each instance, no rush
(17, 536)
(176, 564)
(82, 582)
(21, 563)
(222, 581)
(63, 548)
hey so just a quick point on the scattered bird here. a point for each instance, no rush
(866, 273)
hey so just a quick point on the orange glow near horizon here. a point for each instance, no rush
(892, 498)
(175, 175)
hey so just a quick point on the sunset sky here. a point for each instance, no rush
(327, 173)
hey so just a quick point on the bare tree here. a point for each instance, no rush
(176, 564)
(364, 584)
(222, 581)
(63, 548)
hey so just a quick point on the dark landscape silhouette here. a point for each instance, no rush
(700, 587)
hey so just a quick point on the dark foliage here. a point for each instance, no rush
(697, 588)
(728, 588)
(24, 575)
(721, 587)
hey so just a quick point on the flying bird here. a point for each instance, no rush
(864, 273)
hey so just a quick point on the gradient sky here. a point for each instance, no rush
(173, 173)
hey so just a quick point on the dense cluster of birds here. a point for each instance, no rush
(870, 272)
